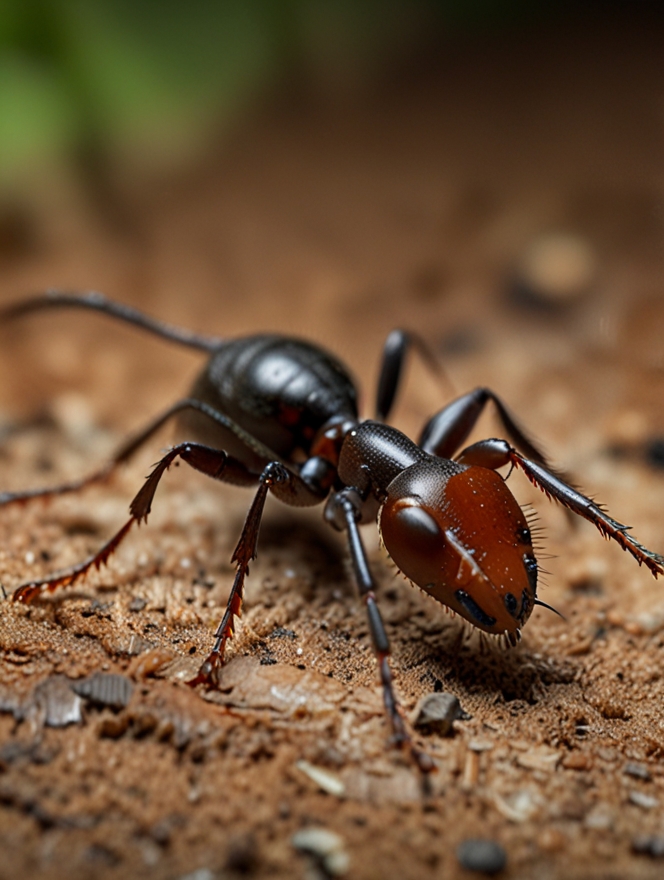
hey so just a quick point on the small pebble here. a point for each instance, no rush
(325, 847)
(113, 727)
(105, 689)
(484, 856)
(137, 604)
(577, 761)
(519, 806)
(599, 818)
(200, 874)
(649, 845)
(551, 840)
(556, 269)
(54, 698)
(480, 745)
(638, 771)
(539, 758)
(436, 713)
(325, 779)
(471, 771)
(645, 801)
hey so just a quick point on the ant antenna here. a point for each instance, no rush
(550, 607)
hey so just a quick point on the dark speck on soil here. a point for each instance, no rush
(483, 856)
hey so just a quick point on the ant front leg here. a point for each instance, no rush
(497, 453)
(343, 512)
(448, 429)
(275, 473)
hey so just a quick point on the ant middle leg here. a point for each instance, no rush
(343, 512)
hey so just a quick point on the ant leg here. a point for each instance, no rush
(447, 430)
(129, 447)
(99, 303)
(245, 551)
(395, 350)
(496, 453)
(215, 463)
(343, 512)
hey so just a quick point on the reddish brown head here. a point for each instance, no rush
(458, 533)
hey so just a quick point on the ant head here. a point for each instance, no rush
(459, 534)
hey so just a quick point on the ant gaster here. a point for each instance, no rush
(280, 414)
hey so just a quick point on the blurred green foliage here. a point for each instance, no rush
(155, 77)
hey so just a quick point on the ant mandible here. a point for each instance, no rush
(281, 414)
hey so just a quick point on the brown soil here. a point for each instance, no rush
(338, 226)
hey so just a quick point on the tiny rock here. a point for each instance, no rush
(577, 761)
(325, 847)
(483, 856)
(56, 703)
(556, 269)
(324, 778)
(649, 845)
(105, 689)
(539, 758)
(638, 771)
(436, 713)
(645, 801)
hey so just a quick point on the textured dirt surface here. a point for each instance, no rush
(338, 226)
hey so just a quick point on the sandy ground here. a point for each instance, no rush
(411, 210)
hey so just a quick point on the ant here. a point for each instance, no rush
(281, 415)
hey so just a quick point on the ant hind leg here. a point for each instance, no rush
(215, 463)
(122, 454)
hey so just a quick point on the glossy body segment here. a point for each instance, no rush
(281, 391)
